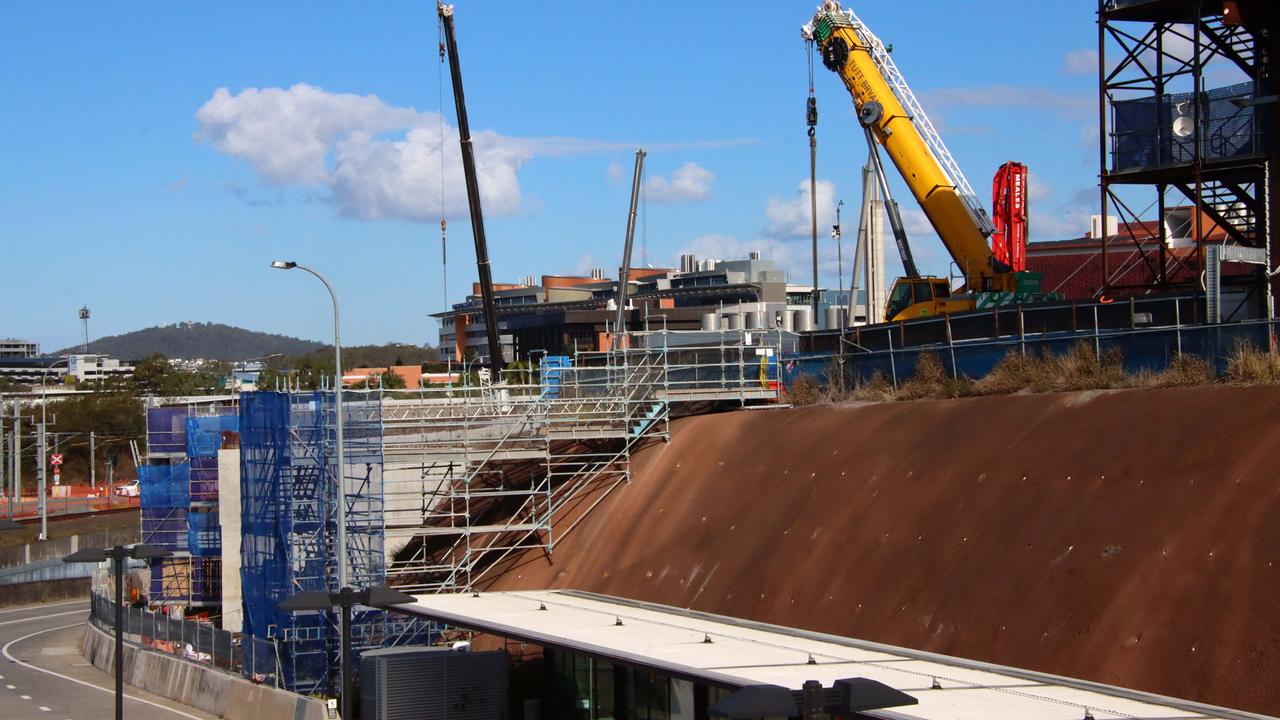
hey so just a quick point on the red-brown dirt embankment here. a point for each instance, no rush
(1128, 537)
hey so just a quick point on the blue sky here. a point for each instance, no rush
(136, 187)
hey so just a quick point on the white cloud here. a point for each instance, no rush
(375, 179)
(379, 161)
(614, 171)
(689, 182)
(1075, 104)
(794, 217)
(1068, 219)
(1081, 62)
(1037, 189)
(287, 134)
(916, 223)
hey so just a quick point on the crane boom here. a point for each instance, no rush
(491, 329)
(887, 107)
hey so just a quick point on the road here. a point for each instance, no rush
(44, 677)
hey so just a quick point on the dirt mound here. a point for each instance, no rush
(1128, 537)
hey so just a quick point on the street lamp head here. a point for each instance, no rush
(284, 264)
(381, 596)
(148, 552)
(86, 555)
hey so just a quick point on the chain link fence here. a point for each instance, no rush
(1141, 349)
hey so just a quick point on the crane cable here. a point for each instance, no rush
(444, 254)
(811, 116)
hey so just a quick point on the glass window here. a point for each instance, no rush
(604, 697)
(923, 290)
(650, 695)
(899, 299)
(582, 686)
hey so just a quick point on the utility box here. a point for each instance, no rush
(426, 683)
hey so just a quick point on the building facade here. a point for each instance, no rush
(565, 313)
(13, 348)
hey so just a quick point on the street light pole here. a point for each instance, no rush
(118, 555)
(340, 473)
(44, 451)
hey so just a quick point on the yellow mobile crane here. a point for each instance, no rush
(894, 120)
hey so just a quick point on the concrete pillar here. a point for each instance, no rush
(229, 519)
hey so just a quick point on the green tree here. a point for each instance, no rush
(391, 380)
(115, 418)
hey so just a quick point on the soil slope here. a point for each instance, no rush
(1128, 537)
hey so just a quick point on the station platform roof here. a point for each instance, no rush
(732, 653)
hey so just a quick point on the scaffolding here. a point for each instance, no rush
(179, 498)
(289, 523)
(479, 472)
(1168, 138)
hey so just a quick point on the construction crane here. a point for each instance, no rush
(895, 121)
(491, 329)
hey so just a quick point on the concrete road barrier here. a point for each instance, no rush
(201, 687)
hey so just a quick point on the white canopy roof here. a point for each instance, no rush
(741, 653)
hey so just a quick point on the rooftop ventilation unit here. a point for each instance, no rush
(433, 684)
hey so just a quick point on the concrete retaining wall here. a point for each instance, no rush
(58, 548)
(45, 571)
(35, 592)
(204, 688)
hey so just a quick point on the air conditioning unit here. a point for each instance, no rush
(431, 683)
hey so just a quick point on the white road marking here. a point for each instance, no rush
(109, 691)
(38, 607)
(42, 617)
(25, 697)
(11, 687)
(44, 709)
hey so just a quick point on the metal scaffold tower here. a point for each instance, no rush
(1187, 125)
(289, 523)
(481, 472)
(445, 483)
(179, 499)
(478, 473)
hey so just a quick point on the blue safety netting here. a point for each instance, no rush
(204, 534)
(204, 479)
(288, 497)
(267, 528)
(205, 434)
(165, 486)
(167, 430)
(552, 367)
(165, 527)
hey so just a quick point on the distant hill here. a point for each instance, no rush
(187, 340)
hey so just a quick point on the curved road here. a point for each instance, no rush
(44, 677)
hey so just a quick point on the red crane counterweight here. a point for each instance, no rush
(1009, 215)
